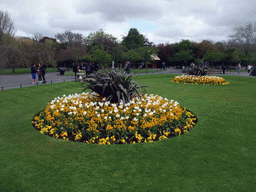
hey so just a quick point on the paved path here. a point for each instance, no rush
(25, 80)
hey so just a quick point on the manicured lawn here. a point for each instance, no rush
(23, 71)
(218, 154)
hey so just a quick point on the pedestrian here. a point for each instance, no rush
(39, 72)
(163, 65)
(238, 68)
(223, 69)
(33, 73)
(75, 70)
(91, 67)
(249, 68)
(127, 67)
(81, 66)
(88, 69)
(43, 72)
(227, 68)
(142, 65)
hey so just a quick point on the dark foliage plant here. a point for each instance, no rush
(196, 70)
(114, 86)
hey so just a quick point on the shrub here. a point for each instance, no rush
(113, 86)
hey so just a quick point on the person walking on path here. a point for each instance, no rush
(33, 73)
(39, 72)
(223, 69)
(75, 70)
(127, 67)
(43, 72)
(238, 68)
(88, 69)
(163, 65)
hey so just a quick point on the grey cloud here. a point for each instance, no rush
(119, 11)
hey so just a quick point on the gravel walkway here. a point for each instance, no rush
(25, 80)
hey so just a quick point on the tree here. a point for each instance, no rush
(102, 57)
(213, 56)
(98, 39)
(165, 51)
(245, 36)
(37, 37)
(184, 52)
(133, 40)
(6, 24)
(69, 37)
(72, 52)
(146, 54)
(132, 55)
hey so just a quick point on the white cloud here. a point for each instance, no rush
(161, 20)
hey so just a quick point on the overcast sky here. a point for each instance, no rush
(161, 21)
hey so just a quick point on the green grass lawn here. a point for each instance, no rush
(218, 154)
(23, 71)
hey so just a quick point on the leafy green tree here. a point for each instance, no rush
(183, 52)
(132, 55)
(213, 57)
(102, 57)
(101, 40)
(133, 40)
(147, 53)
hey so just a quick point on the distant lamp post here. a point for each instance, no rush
(146, 44)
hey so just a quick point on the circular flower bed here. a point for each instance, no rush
(205, 80)
(87, 118)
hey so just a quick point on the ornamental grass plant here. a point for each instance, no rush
(217, 154)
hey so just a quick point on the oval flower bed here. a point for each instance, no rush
(86, 118)
(205, 80)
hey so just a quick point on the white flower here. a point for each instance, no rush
(117, 115)
(113, 105)
(98, 115)
(62, 109)
(135, 119)
(116, 110)
(84, 113)
(110, 112)
(74, 112)
(122, 118)
(137, 114)
(105, 117)
(52, 107)
(70, 113)
(57, 110)
(102, 110)
(145, 115)
(127, 117)
(124, 110)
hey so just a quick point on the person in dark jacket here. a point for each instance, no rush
(33, 73)
(39, 72)
(43, 70)
(88, 69)
(75, 69)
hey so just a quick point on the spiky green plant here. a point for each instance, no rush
(195, 70)
(114, 85)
